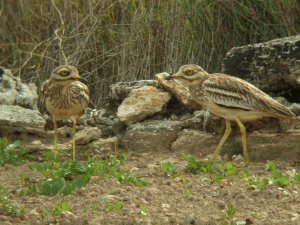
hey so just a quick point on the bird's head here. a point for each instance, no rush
(65, 72)
(189, 73)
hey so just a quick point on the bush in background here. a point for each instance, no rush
(123, 40)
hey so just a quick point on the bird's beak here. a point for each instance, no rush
(174, 76)
(76, 76)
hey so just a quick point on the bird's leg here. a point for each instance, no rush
(73, 139)
(244, 142)
(55, 151)
(224, 138)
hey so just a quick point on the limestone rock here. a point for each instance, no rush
(272, 66)
(151, 136)
(120, 91)
(195, 141)
(104, 145)
(18, 119)
(14, 92)
(178, 90)
(261, 146)
(141, 103)
(87, 135)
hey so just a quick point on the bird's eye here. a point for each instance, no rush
(189, 72)
(64, 73)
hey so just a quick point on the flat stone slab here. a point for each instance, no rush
(19, 119)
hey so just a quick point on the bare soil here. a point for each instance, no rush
(185, 199)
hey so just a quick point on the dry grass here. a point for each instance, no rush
(117, 40)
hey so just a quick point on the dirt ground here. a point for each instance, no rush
(185, 199)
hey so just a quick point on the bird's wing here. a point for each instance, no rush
(43, 91)
(80, 94)
(233, 92)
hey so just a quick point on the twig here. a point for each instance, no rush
(60, 39)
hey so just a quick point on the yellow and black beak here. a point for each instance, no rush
(75, 76)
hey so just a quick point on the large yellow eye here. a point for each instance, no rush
(64, 72)
(189, 72)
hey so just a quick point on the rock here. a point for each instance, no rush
(261, 146)
(17, 119)
(141, 103)
(120, 90)
(105, 145)
(271, 146)
(151, 136)
(178, 90)
(14, 92)
(68, 215)
(87, 135)
(272, 66)
(195, 141)
(101, 120)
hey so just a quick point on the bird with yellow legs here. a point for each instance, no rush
(231, 98)
(63, 96)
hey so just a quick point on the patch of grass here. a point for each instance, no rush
(219, 171)
(8, 207)
(112, 206)
(276, 178)
(58, 209)
(9, 153)
(254, 182)
(65, 177)
(169, 169)
(229, 214)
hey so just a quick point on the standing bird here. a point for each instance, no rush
(63, 96)
(230, 98)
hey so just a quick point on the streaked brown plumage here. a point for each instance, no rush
(64, 97)
(231, 98)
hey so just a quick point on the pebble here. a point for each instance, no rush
(68, 215)
(134, 169)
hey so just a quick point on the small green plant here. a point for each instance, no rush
(219, 171)
(65, 177)
(112, 206)
(255, 182)
(169, 169)
(229, 213)
(229, 216)
(7, 207)
(276, 178)
(144, 210)
(58, 209)
(9, 154)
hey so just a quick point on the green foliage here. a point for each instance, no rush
(220, 171)
(169, 169)
(7, 207)
(229, 216)
(255, 182)
(140, 38)
(58, 209)
(9, 154)
(112, 206)
(229, 213)
(65, 177)
(276, 178)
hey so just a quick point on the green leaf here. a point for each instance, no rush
(52, 187)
